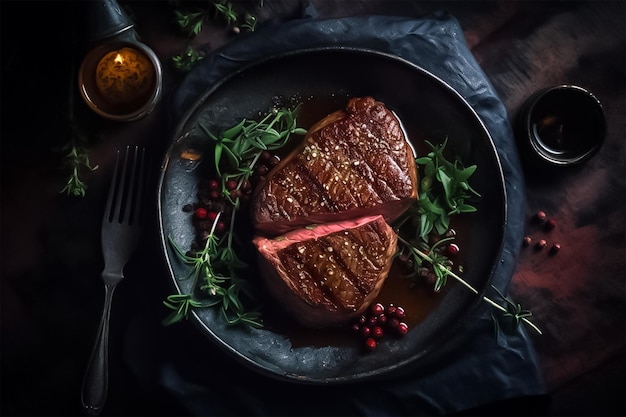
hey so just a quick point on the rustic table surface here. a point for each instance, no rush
(51, 259)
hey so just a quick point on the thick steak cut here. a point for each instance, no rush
(352, 163)
(330, 273)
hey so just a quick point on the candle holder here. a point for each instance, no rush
(120, 78)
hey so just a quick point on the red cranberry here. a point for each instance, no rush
(370, 343)
(549, 225)
(363, 319)
(391, 309)
(453, 249)
(366, 331)
(541, 244)
(231, 184)
(555, 248)
(394, 323)
(381, 320)
(377, 332)
(541, 215)
(527, 241)
(403, 328)
(201, 213)
(356, 328)
(378, 309)
(400, 313)
(214, 185)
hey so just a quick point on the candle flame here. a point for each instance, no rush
(119, 59)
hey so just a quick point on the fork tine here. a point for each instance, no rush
(125, 200)
(112, 189)
(118, 214)
(137, 181)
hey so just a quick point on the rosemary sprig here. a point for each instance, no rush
(187, 59)
(77, 159)
(215, 268)
(77, 156)
(511, 310)
(226, 11)
(444, 191)
(238, 148)
(191, 22)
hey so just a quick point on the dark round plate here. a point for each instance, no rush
(323, 80)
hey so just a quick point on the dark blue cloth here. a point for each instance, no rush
(488, 367)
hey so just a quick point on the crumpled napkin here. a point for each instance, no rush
(488, 368)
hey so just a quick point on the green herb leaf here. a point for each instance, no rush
(214, 268)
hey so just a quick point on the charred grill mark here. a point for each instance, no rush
(315, 187)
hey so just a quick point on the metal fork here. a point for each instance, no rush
(121, 227)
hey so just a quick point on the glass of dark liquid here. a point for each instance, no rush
(563, 125)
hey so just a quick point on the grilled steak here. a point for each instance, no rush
(354, 162)
(330, 273)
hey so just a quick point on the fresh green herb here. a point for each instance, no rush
(188, 59)
(512, 309)
(444, 191)
(249, 22)
(215, 267)
(77, 159)
(214, 272)
(182, 305)
(238, 149)
(226, 11)
(426, 265)
(190, 22)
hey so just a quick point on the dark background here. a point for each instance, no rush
(50, 260)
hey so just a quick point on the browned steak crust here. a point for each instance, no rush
(354, 162)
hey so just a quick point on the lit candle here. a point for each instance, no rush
(124, 76)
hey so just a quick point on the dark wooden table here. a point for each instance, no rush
(51, 292)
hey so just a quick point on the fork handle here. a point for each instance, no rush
(96, 382)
